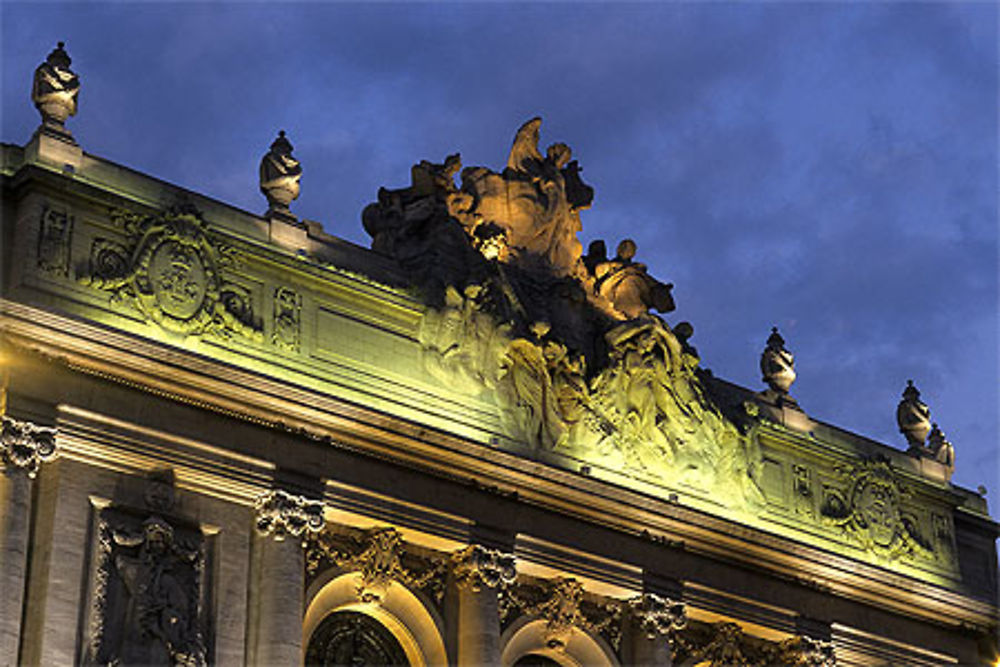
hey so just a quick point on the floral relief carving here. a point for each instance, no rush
(281, 514)
(381, 558)
(24, 445)
(170, 269)
(287, 319)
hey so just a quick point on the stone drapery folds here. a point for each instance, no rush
(563, 343)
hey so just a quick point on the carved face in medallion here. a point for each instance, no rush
(177, 276)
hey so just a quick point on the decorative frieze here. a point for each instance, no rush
(477, 567)
(282, 514)
(380, 557)
(24, 445)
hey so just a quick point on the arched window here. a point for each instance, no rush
(535, 660)
(353, 639)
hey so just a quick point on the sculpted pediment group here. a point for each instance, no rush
(564, 343)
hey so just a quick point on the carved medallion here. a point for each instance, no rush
(353, 638)
(869, 508)
(169, 268)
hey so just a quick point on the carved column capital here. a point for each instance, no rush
(281, 514)
(804, 651)
(657, 616)
(25, 445)
(476, 567)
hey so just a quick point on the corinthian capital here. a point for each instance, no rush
(24, 445)
(475, 567)
(281, 514)
(656, 615)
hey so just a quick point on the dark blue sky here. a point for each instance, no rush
(827, 168)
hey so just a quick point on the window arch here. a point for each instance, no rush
(353, 639)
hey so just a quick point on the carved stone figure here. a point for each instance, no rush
(626, 284)
(54, 90)
(25, 446)
(534, 204)
(280, 174)
(777, 364)
(913, 417)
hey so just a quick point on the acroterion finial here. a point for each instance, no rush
(54, 90)
(279, 178)
(777, 365)
(913, 416)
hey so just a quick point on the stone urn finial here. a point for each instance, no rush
(54, 90)
(939, 448)
(777, 365)
(279, 177)
(913, 416)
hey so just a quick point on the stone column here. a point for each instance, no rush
(23, 446)
(479, 573)
(278, 576)
(649, 623)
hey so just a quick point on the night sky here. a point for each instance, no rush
(827, 168)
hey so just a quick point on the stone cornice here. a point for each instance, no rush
(182, 376)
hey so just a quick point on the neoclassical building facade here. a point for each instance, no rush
(232, 439)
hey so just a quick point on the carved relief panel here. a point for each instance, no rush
(54, 234)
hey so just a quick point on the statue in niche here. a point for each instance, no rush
(54, 90)
(280, 174)
(626, 285)
(148, 599)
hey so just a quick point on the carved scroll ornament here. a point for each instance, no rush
(477, 567)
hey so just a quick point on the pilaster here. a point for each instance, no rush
(479, 574)
(278, 571)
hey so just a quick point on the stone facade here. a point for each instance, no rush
(234, 439)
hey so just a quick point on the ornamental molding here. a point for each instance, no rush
(281, 514)
(657, 616)
(477, 567)
(381, 558)
(25, 446)
(868, 506)
(171, 269)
